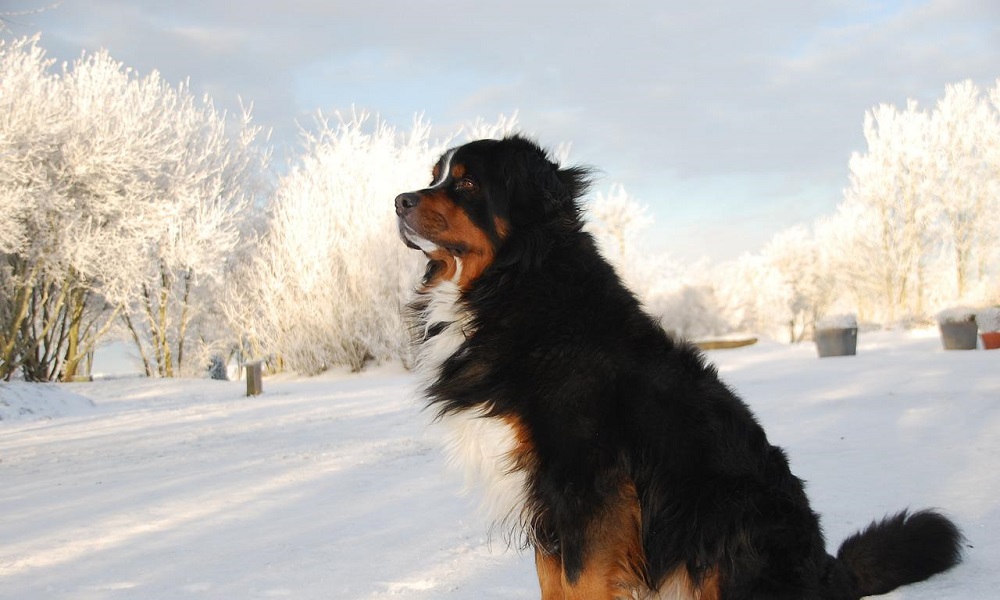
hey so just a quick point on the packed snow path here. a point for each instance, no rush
(333, 487)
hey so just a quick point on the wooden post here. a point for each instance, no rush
(255, 383)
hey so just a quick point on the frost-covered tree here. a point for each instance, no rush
(202, 211)
(917, 227)
(49, 256)
(30, 130)
(965, 131)
(120, 187)
(889, 252)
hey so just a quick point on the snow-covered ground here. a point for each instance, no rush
(333, 487)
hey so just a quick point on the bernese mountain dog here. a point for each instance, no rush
(611, 448)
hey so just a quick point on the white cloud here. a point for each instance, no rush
(651, 92)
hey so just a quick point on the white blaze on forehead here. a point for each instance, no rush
(445, 170)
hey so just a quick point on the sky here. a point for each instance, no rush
(729, 120)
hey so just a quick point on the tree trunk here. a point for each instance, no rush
(182, 327)
(154, 332)
(74, 354)
(12, 351)
(146, 364)
(167, 368)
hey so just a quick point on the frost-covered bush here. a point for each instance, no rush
(331, 277)
(755, 297)
(692, 312)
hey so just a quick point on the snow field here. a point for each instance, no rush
(335, 486)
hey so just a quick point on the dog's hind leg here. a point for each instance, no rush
(613, 563)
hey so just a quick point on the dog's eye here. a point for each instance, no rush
(465, 185)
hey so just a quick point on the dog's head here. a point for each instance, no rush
(484, 196)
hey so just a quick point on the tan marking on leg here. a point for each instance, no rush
(613, 559)
(550, 576)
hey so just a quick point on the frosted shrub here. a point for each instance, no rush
(692, 312)
(331, 277)
(756, 297)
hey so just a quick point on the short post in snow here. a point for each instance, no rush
(255, 382)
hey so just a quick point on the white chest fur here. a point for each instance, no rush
(480, 447)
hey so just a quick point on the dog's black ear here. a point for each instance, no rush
(540, 186)
(575, 180)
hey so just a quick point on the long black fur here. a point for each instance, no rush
(609, 399)
(900, 549)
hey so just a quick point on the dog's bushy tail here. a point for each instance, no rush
(901, 549)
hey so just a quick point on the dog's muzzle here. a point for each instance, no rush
(405, 203)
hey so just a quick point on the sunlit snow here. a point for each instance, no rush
(335, 486)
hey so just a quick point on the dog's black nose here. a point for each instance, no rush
(405, 202)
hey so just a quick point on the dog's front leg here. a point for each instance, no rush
(550, 575)
(607, 561)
